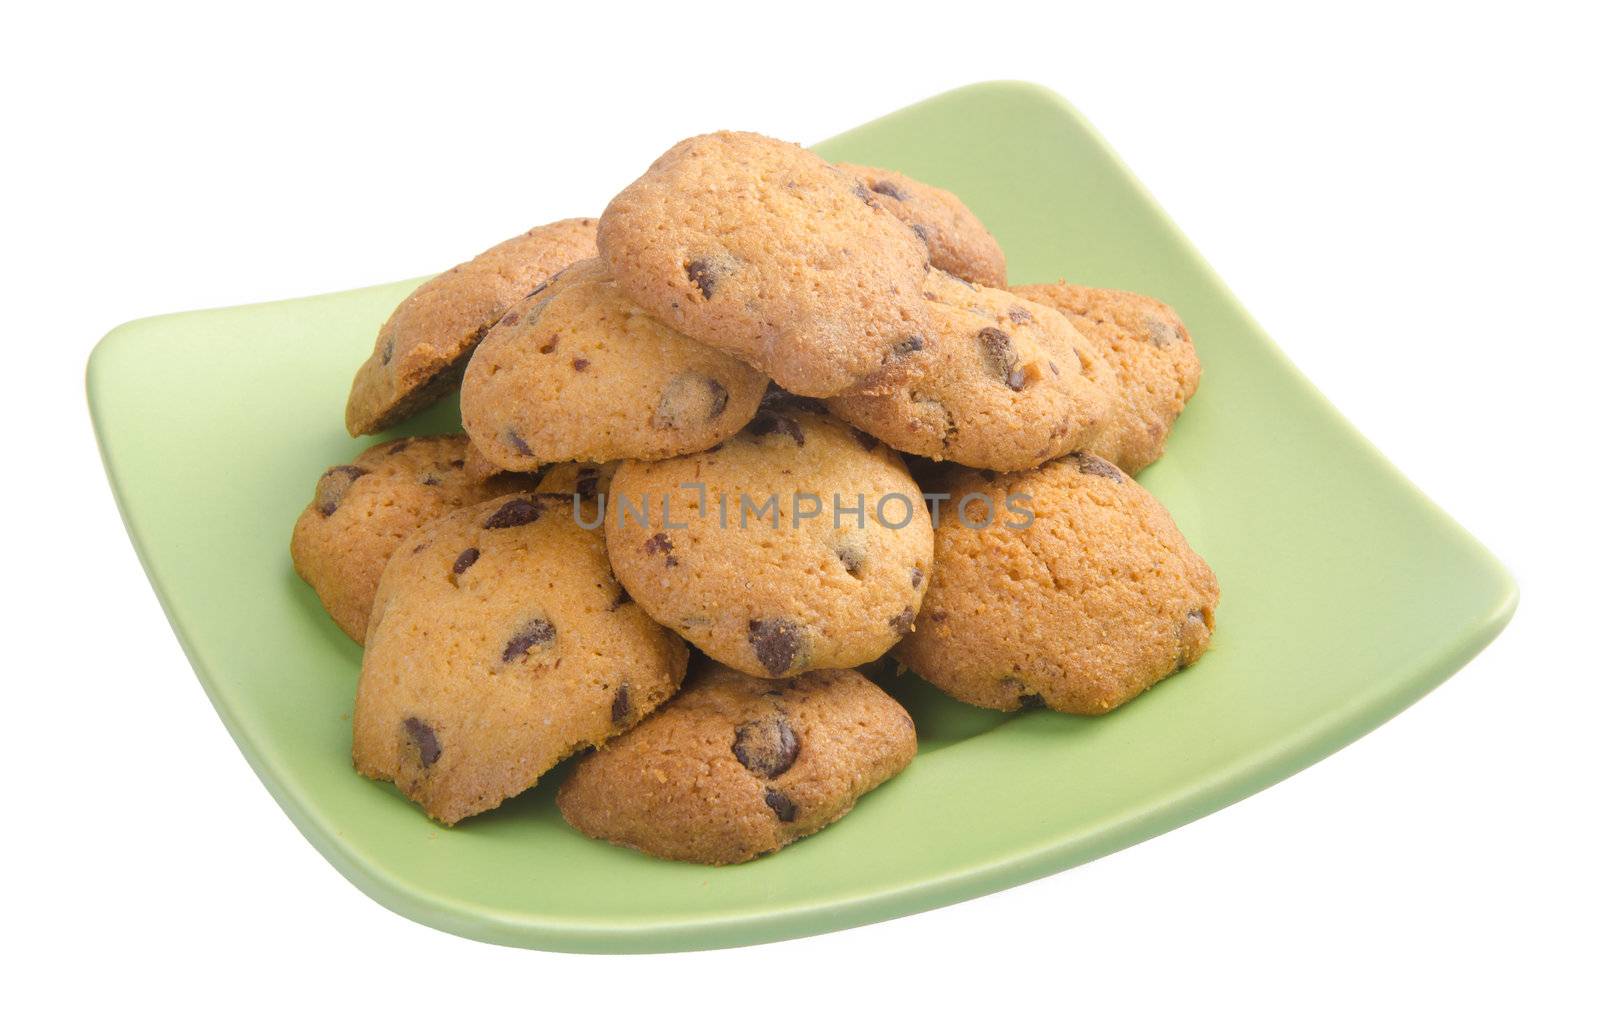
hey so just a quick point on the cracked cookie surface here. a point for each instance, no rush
(580, 372)
(424, 345)
(1152, 369)
(770, 585)
(736, 767)
(1096, 600)
(765, 251)
(1007, 384)
(361, 511)
(500, 644)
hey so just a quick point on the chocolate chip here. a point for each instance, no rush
(580, 364)
(1019, 314)
(588, 482)
(853, 553)
(458, 463)
(776, 641)
(535, 633)
(388, 351)
(1088, 463)
(550, 345)
(719, 400)
(690, 399)
(888, 189)
(621, 706)
(999, 357)
(704, 276)
(333, 485)
(510, 319)
(658, 544)
(766, 747)
(768, 422)
(916, 577)
(1032, 701)
(424, 739)
(464, 561)
(938, 616)
(518, 443)
(780, 804)
(430, 480)
(776, 397)
(901, 623)
(921, 230)
(514, 514)
(867, 440)
(914, 343)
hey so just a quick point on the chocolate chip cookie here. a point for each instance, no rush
(736, 767)
(1007, 384)
(956, 239)
(580, 372)
(500, 643)
(1080, 610)
(1153, 369)
(423, 348)
(798, 544)
(362, 510)
(765, 251)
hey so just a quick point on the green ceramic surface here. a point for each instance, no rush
(1346, 595)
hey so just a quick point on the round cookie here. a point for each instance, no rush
(765, 580)
(957, 241)
(500, 644)
(423, 347)
(1090, 604)
(736, 767)
(1007, 384)
(580, 372)
(1153, 366)
(765, 251)
(362, 510)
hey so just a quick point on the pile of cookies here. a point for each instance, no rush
(767, 423)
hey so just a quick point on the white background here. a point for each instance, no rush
(1405, 199)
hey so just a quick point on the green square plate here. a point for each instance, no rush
(1346, 594)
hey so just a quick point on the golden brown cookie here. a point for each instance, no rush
(500, 644)
(580, 372)
(957, 241)
(425, 344)
(765, 251)
(1006, 384)
(736, 767)
(768, 577)
(362, 510)
(1090, 603)
(1153, 368)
